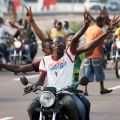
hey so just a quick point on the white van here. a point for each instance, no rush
(93, 5)
(113, 5)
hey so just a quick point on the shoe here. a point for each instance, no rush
(105, 91)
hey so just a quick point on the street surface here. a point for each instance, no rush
(13, 105)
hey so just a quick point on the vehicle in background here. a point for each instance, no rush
(113, 5)
(117, 59)
(18, 53)
(93, 5)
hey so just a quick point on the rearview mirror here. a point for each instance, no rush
(84, 81)
(24, 80)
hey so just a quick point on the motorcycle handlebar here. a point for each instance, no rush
(34, 89)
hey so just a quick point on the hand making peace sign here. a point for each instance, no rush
(87, 18)
(29, 15)
(114, 22)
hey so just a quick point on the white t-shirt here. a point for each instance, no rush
(59, 73)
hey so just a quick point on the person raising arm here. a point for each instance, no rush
(31, 21)
(46, 48)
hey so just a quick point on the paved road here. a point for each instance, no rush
(13, 104)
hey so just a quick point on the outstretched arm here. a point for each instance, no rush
(77, 36)
(13, 25)
(23, 68)
(93, 44)
(30, 19)
(41, 80)
(98, 40)
(17, 69)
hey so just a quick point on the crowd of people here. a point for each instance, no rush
(63, 55)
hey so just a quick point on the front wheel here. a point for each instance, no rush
(117, 68)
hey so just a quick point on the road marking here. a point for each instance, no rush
(6, 118)
(114, 88)
(32, 76)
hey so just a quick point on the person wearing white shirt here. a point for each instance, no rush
(67, 29)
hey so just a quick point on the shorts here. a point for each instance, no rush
(93, 67)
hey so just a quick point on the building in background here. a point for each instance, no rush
(41, 6)
(47, 6)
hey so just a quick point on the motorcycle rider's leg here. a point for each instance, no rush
(33, 114)
(113, 50)
(74, 107)
(86, 103)
(32, 54)
(27, 51)
(4, 51)
(80, 107)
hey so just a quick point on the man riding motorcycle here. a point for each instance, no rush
(26, 36)
(56, 66)
(63, 61)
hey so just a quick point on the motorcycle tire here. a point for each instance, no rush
(117, 68)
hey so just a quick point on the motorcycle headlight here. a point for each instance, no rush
(118, 44)
(17, 44)
(47, 99)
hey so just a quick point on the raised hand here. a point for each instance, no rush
(114, 22)
(86, 15)
(87, 18)
(29, 15)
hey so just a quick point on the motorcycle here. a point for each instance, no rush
(117, 59)
(52, 108)
(2, 58)
(4, 47)
(106, 48)
(18, 54)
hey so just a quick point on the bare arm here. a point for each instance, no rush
(98, 40)
(93, 44)
(23, 68)
(41, 80)
(77, 36)
(92, 18)
(17, 69)
(37, 30)
(13, 25)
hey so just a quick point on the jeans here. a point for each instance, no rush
(92, 67)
